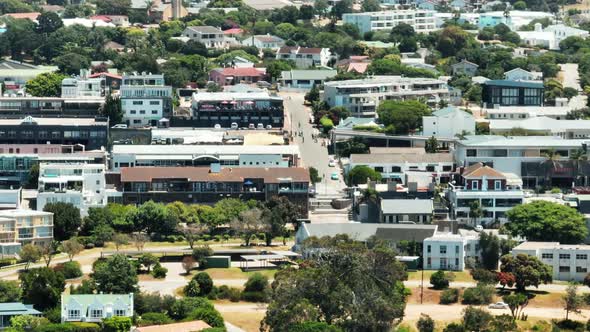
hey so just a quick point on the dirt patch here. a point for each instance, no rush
(248, 321)
(430, 296)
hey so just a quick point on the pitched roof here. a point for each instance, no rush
(240, 71)
(31, 16)
(268, 39)
(410, 232)
(465, 62)
(478, 170)
(308, 74)
(362, 231)
(233, 31)
(17, 308)
(359, 67)
(113, 45)
(300, 50)
(406, 206)
(204, 29)
(111, 75)
(203, 174)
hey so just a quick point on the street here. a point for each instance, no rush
(571, 78)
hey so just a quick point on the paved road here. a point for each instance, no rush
(558, 288)
(571, 78)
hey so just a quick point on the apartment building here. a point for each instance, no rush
(210, 36)
(494, 191)
(145, 99)
(551, 36)
(568, 262)
(82, 185)
(423, 21)
(305, 57)
(362, 97)
(83, 86)
(19, 227)
(543, 126)
(512, 93)
(210, 184)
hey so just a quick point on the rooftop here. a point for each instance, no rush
(379, 150)
(450, 110)
(520, 141)
(205, 29)
(229, 96)
(17, 308)
(204, 149)
(300, 50)
(382, 80)
(362, 231)
(240, 71)
(88, 299)
(196, 325)
(53, 122)
(23, 212)
(519, 84)
(540, 123)
(532, 110)
(383, 158)
(311, 74)
(479, 170)
(406, 206)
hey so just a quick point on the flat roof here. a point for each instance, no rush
(381, 80)
(542, 110)
(383, 158)
(520, 84)
(540, 123)
(379, 150)
(53, 122)
(178, 149)
(229, 96)
(520, 141)
(362, 231)
(406, 206)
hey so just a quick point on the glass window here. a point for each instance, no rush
(582, 256)
(443, 249)
(547, 256)
(564, 256)
(73, 314)
(564, 269)
(580, 269)
(471, 153)
(96, 313)
(119, 312)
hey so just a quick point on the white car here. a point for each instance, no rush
(268, 127)
(332, 163)
(498, 305)
(119, 126)
(234, 126)
(260, 126)
(217, 126)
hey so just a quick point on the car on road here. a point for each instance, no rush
(234, 126)
(311, 191)
(119, 126)
(251, 126)
(334, 176)
(332, 163)
(260, 126)
(217, 126)
(498, 305)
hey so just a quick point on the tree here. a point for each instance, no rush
(139, 240)
(112, 109)
(148, 260)
(49, 22)
(113, 7)
(527, 270)
(569, 92)
(48, 250)
(33, 178)
(360, 174)
(475, 211)
(251, 222)
(439, 280)
(10, 291)
(489, 245)
(516, 302)
(153, 218)
(27, 323)
(425, 323)
(313, 94)
(29, 253)
(431, 145)
(192, 233)
(42, 287)
(228, 209)
(66, 219)
(115, 275)
(506, 279)
(355, 145)
(188, 263)
(371, 6)
(45, 85)
(475, 319)
(341, 7)
(452, 39)
(314, 175)
(405, 116)
(281, 212)
(548, 222)
(205, 283)
(72, 63)
(321, 7)
(274, 68)
(201, 253)
(72, 247)
(573, 301)
(120, 240)
(519, 5)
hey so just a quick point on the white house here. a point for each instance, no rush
(551, 36)
(519, 74)
(82, 86)
(305, 79)
(145, 99)
(423, 21)
(264, 42)
(305, 57)
(569, 262)
(447, 251)
(93, 308)
(448, 122)
(408, 211)
(212, 37)
(83, 185)
(557, 112)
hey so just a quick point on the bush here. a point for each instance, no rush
(314, 327)
(183, 307)
(53, 315)
(254, 296)
(70, 270)
(449, 295)
(481, 294)
(159, 272)
(485, 276)
(116, 324)
(85, 327)
(256, 283)
(154, 318)
(64, 327)
(214, 329)
(555, 190)
(327, 124)
(154, 302)
(208, 315)
(439, 280)
(7, 261)
(568, 324)
(231, 293)
(192, 289)
(454, 327)
(205, 283)
(425, 324)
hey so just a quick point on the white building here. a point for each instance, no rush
(264, 42)
(145, 99)
(494, 191)
(569, 262)
(448, 122)
(525, 112)
(305, 57)
(93, 308)
(20, 227)
(362, 97)
(519, 74)
(551, 36)
(82, 86)
(83, 185)
(210, 36)
(447, 251)
(305, 79)
(406, 211)
(423, 21)
(540, 126)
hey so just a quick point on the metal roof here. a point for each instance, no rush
(406, 206)
(515, 84)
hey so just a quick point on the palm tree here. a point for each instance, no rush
(550, 163)
(577, 156)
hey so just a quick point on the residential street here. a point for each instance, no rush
(571, 78)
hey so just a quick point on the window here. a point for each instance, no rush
(430, 168)
(379, 169)
(457, 250)
(73, 314)
(457, 262)
(471, 153)
(582, 256)
(564, 256)
(138, 102)
(564, 269)
(428, 261)
(154, 102)
(142, 112)
(497, 185)
(120, 312)
(443, 263)
(474, 185)
(447, 168)
(96, 313)
(154, 112)
(547, 256)
(580, 269)
(396, 169)
(443, 249)
(428, 249)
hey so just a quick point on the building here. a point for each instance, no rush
(362, 96)
(12, 309)
(237, 75)
(204, 155)
(91, 133)
(245, 109)
(305, 57)
(19, 106)
(518, 112)
(14, 75)
(93, 308)
(541, 126)
(145, 99)
(464, 67)
(305, 79)
(393, 166)
(519, 74)
(551, 36)
(117, 20)
(82, 87)
(264, 42)
(495, 192)
(423, 21)
(512, 93)
(210, 184)
(82, 185)
(448, 251)
(20, 227)
(406, 211)
(448, 122)
(112, 81)
(568, 262)
(210, 36)
(355, 63)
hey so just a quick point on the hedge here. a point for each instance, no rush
(154, 318)
(208, 315)
(70, 270)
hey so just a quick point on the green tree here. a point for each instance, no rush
(148, 260)
(360, 173)
(205, 283)
(72, 63)
(97, 216)
(42, 287)
(452, 39)
(314, 175)
(45, 85)
(275, 67)
(72, 247)
(115, 275)
(226, 210)
(10, 291)
(573, 301)
(200, 254)
(321, 7)
(49, 22)
(431, 145)
(439, 280)
(355, 145)
(519, 5)
(66, 219)
(251, 222)
(30, 253)
(113, 7)
(548, 222)
(112, 109)
(371, 6)
(406, 116)
(489, 245)
(341, 7)
(282, 212)
(527, 270)
(153, 218)
(14, 6)
(117, 324)
(33, 178)
(425, 323)
(27, 323)
(475, 319)
(516, 302)
(313, 94)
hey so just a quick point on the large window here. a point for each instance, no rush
(120, 312)
(96, 313)
(443, 249)
(510, 96)
(73, 314)
(564, 256)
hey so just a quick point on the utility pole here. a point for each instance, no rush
(422, 287)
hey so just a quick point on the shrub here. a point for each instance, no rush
(231, 293)
(65, 327)
(454, 327)
(439, 280)
(481, 294)
(159, 272)
(568, 324)
(327, 124)
(181, 308)
(208, 315)
(7, 261)
(154, 302)
(70, 270)
(449, 295)
(485, 276)
(555, 190)
(254, 296)
(53, 315)
(256, 283)
(214, 329)
(192, 289)
(154, 318)
(314, 327)
(205, 283)
(116, 324)
(425, 324)
(85, 327)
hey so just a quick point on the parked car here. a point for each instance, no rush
(263, 84)
(217, 126)
(332, 163)
(311, 191)
(260, 126)
(334, 176)
(251, 126)
(498, 305)
(234, 126)
(119, 126)
(268, 127)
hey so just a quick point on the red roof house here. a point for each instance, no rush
(231, 75)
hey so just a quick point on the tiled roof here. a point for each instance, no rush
(247, 71)
(233, 31)
(479, 170)
(203, 174)
(196, 325)
(300, 50)
(268, 39)
(31, 16)
(105, 74)
(359, 67)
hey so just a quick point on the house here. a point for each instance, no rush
(447, 123)
(495, 192)
(114, 46)
(83, 86)
(551, 36)
(12, 309)
(355, 63)
(512, 93)
(519, 112)
(117, 20)
(305, 79)
(112, 81)
(145, 99)
(233, 32)
(404, 211)
(21, 16)
(93, 308)
(264, 42)
(305, 57)
(540, 126)
(210, 36)
(423, 21)
(448, 251)
(59, 10)
(236, 75)
(20, 227)
(568, 262)
(465, 67)
(519, 74)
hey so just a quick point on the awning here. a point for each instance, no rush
(248, 183)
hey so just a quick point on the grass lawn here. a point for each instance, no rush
(248, 321)
(460, 276)
(232, 273)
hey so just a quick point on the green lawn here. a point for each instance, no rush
(232, 273)
(460, 276)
